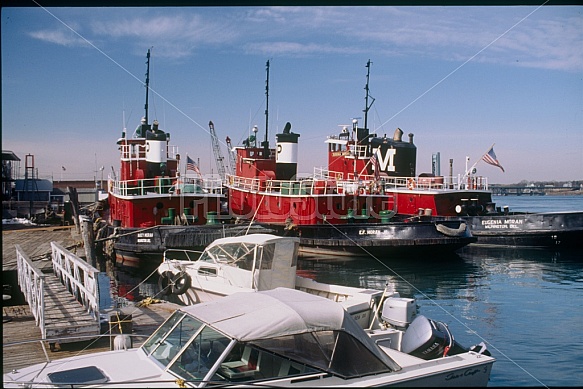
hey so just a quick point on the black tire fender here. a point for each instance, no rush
(181, 282)
(164, 283)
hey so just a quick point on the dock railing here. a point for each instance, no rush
(81, 279)
(31, 281)
(89, 286)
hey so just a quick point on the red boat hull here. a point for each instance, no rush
(148, 211)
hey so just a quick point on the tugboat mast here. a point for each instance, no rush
(147, 83)
(266, 142)
(366, 106)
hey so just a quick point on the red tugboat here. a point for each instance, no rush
(152, 206)
(150, 190)
(436, 197)
(343, 209)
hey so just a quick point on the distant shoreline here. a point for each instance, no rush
(553, 194)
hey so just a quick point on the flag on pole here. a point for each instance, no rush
(191, 165)
(377, 167)
(490, 158)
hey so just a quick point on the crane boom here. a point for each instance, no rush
(217, 151)
(231, 155)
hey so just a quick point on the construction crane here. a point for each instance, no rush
(231, 155)
(217, 151)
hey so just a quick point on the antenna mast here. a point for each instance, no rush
(147, 83)
(266, 142)
(366, 106)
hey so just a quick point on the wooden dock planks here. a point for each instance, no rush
(64, 315)
(36, 243)
(21, 326)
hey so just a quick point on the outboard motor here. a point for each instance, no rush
(398, 311)
(427, 339)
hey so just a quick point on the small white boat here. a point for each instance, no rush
(252, 263)
(279, 337)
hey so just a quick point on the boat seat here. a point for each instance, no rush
(244, 368)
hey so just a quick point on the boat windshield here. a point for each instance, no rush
(185, 346)
(241, 254)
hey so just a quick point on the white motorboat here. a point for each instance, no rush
(278, 337)
(257, 262)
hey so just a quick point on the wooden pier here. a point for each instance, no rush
(66, 301)
(71, 315)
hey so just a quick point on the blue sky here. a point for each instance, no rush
(458, 78)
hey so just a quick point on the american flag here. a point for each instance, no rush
(490, 158)
(191, 165)
(377, 167)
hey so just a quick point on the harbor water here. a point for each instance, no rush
(525, 304)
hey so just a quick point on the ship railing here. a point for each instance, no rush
(473, 182)
(325, 174)
(243, 183)
(320, 184)
(436, 183)
(361, 177)
(165, 185)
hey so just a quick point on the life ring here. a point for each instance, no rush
(362, 191)
(164, 282)
(412, 184)
(181, 282)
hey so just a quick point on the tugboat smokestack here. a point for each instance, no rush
(398, 135)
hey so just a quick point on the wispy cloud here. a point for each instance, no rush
(545, 40)
(60, 37)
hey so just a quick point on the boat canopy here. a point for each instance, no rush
(278, 313)
(256, 261)
(259, 239)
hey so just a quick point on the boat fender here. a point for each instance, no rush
(451, 231)
(412, 184)
(181, 283)
(122, 342)
(164, 283)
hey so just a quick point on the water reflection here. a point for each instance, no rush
(525, 303)
(410, 276)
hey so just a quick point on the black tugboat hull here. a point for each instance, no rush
(144, 247)
(542, 230)
(382, 240)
